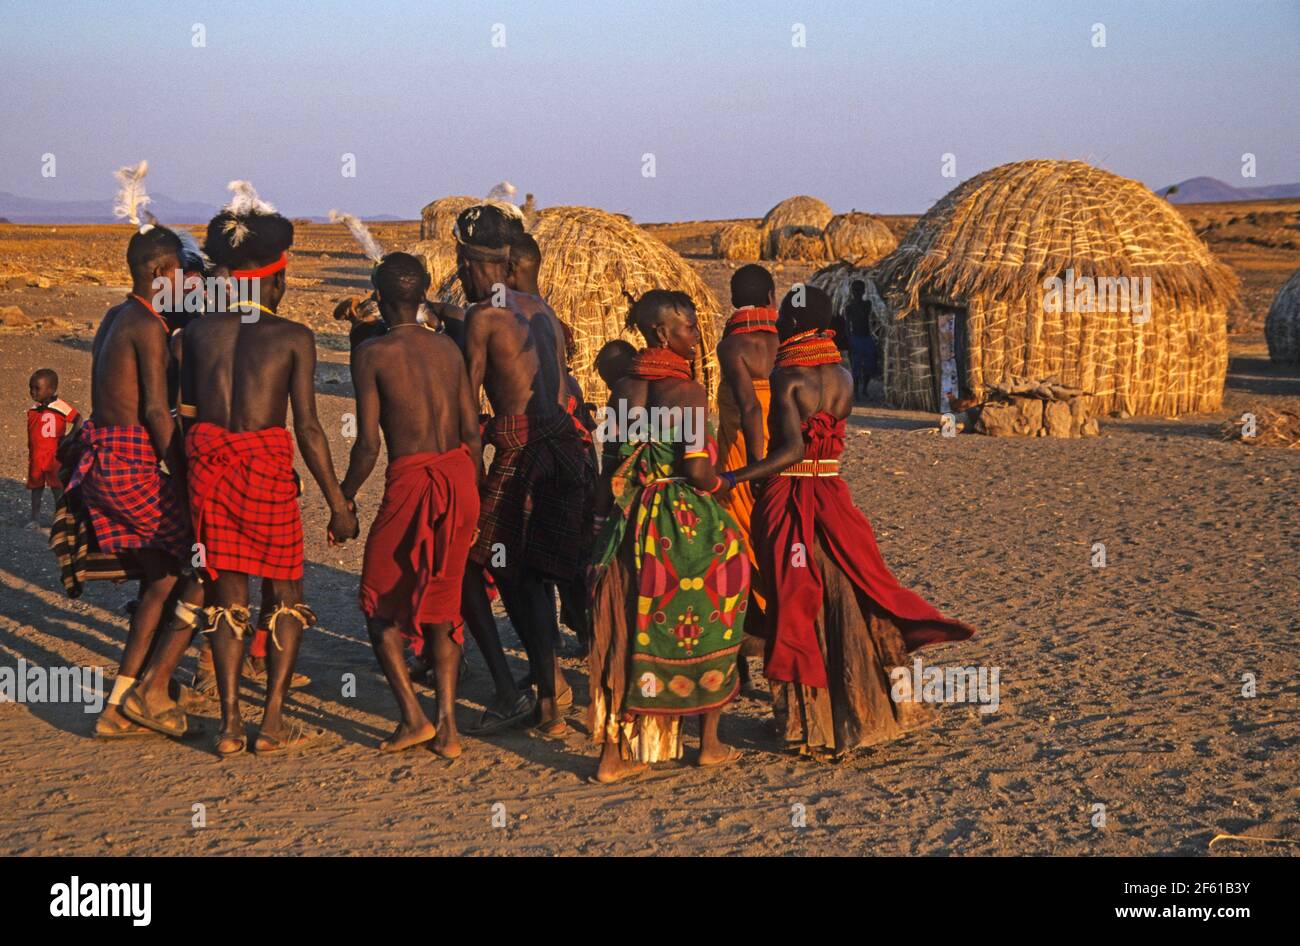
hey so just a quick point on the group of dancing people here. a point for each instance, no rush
(673, 555)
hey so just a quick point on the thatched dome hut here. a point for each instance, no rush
(736, 241)
(593, 264)
(836, 280)
(859, 238)
(1044, 268)
(807, 244)
(1282, 325)
(438, 218)
(801, 211)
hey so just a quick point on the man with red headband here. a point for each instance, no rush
(837, 620)
(530, 526)
(241, 370)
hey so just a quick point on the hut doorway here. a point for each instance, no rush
(949, 345)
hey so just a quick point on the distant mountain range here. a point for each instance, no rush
(1211, 190)
(17, 209)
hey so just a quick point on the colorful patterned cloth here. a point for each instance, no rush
(536, 507)
(244, 498)
(417, 547)
(692, 584)
(131, 504)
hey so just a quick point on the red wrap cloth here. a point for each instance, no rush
(419, 542)
(801, 509)
(46, 426)
(131, 504)
(244, 499)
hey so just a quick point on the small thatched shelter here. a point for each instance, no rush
(593, 264)
(736, 241)
(438, 218)
(974, 294)
(1282, 325)
(836, 280)
(799, 243)
(801, 211)
(859, 238)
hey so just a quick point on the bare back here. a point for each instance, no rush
(243, 375)
(517, 354)
(752, 354)
(418, 382)
(130, 348)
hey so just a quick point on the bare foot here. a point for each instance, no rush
(615, 769)
(719, 755)
(404, 737)
(447, 743)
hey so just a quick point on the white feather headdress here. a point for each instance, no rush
(131, 199)
(244, 202)
(369, 245)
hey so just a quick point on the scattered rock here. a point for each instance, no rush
(13, 317)
(38, 282)
(14, 282)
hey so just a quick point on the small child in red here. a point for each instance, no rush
(49, 420)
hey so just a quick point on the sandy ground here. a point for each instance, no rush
(1120, 686)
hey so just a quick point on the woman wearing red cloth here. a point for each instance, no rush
(837, 621)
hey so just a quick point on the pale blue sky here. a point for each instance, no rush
(736, 117)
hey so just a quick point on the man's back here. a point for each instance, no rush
(752, 352)
(240, 372)
(115, 392)
(517, 351)
(420, 377)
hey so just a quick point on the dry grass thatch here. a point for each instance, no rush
(799, 243)
(801, 211)
(836, 280)
(439, 258)
(592, 262)
(858, 238)
(989, 246)
(1262, 426)
(438, 218)
(1282, 324)
(736, 241)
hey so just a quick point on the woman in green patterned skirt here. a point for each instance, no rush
(671, 573)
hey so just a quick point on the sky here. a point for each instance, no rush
(566, 99)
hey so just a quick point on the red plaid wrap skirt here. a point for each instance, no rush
(536, 509)
(131, 504)
(244, 499)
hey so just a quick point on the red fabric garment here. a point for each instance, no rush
(801, 509)
(419, 542)
(46, 426)
(131, 504)
(244, 500)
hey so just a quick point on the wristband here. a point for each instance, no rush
(730, 478)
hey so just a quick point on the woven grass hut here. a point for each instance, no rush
(438, 218)
(807, 244)
(859, 238)
(736, 241)
(593, 264)
(801, 211)
(970, 304)
(1282, 324)
(836, 280)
